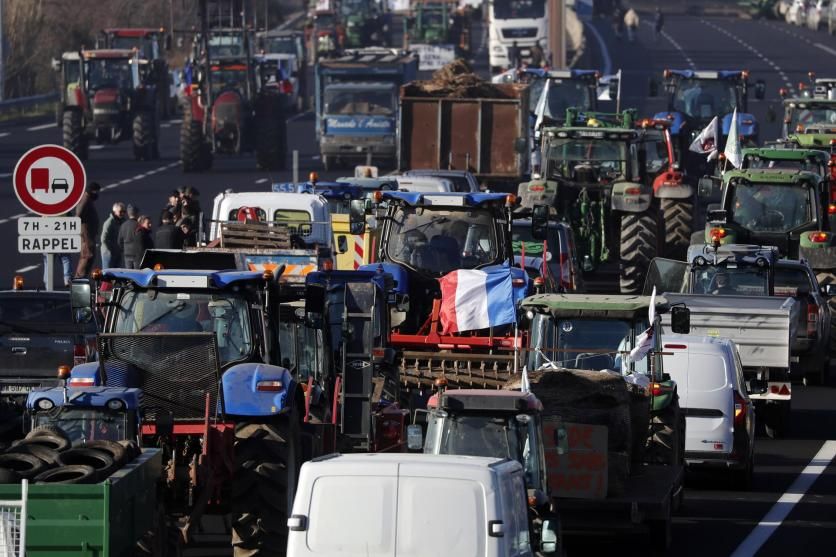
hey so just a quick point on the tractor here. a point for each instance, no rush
(106, 97)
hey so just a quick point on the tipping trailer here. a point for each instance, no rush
(357, 104)
(487, 134)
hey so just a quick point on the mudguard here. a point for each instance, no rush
(86, 373)
(244, 393)
(631, 197)
(675, 118)
(398, 273)
(198, 112)
(820, 255)
(670, 185)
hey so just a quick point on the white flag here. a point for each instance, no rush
(733, 152)
(644, 343)
(525, 386)
(708, 140)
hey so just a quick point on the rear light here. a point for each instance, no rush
(740, 409)
(812, 319)
(632, 191)
(81, 382)
(287, 87)
(566, 278)
(675, 347)
(518, 282)
(831, 209)
(657, 389)
(268, 386)
(18, 283)
(717, 234)
(536, 187)
(79, 354)
(820, 237)
(783, 92)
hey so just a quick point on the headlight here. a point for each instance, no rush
(44, 404)
(115, 404)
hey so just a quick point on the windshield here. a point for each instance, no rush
(478, 436)
(592, 344)
(519, 9)
(325, 21)
(228, 77)
(737, 281)
(586, 160)
(433, 17)
(656, 151)
(161, 311)
(280, 45)
(105, 73)
(788, 282)
(771, 208)
(811, 114)
(705, 99)
(301, 348)
(226, 45)
(437, 241)
(145, 46)
(757, 162)
(85, 423)
(562, 95)
(380, 103)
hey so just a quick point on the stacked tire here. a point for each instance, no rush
(47, 456)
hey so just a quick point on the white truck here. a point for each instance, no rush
(524, 22)
(400, 505)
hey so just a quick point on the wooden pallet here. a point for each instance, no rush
(254, 235)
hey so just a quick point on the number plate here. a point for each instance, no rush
(16, 389)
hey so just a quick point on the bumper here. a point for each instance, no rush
(357, 147)
(714, 460)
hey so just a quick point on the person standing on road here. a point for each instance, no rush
(139, 241)
(618, 22)
(173, 205)
(514, 56)
(86, 211)
(658, 24)
(167, 235)
(111, 252)
(126, 233)
(631, 21)
(538, 57)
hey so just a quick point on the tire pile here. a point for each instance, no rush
(46, 456)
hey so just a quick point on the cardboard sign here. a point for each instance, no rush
(433, 57)
(580, 472)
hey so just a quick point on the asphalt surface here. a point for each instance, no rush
(797, 510)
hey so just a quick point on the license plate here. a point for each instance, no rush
(16, 389)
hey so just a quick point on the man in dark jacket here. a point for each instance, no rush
(111, 252)
(86, 211)
(138, 242)
(168, 236)
(126, 233)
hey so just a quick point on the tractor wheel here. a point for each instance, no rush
(637, 249)
(271, 142)
(192, 144)
(677, 216)
(144, 136)
(666, 444)
(74, 138)
(826, 278)
(267, 458)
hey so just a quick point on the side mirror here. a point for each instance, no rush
(653, 88)
(705, 187)
(680, 320)
(414, 437)
(771, 115)
(760, 89)
(521, 145)
(540, 222)
(829, 290)
(81, 300)
(357, 216)
(717, 215)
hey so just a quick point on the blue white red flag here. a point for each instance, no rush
(477, 299)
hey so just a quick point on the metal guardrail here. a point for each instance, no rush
(23, 102)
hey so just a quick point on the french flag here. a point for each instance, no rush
(477, 299)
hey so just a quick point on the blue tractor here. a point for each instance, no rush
(696, 97)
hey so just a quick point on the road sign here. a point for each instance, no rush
(49, 180)
(49, 244)
(49, 226)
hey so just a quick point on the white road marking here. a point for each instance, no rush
(6, 175)
(97, 147)
(176, 121)
(315, 157)
(42, 127)
(3, 221)
(138, 177)
(603, 46)
(292, 118)
(261, 180)
(27, 269)
(825, 48)
(781, 509)
(20, 216)
(754, 51)
(4, 134)
(676, 45)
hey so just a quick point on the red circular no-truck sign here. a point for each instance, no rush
(49, 180)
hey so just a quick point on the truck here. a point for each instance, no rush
(483, 129)
(815, 106)
(516, 23)
(106, 96)
(694, 98)
(593, 180)
(633, 462)
(223, 111)
(356, 104)
(69, 507)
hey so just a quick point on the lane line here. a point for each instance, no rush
(315, 157)
(27, 269)
(825, 48)
(4, 134)
(3, 221)
(261, 180)
(176, 121)
(781, 509)
(96, 147)
(6, 175)
(603, 46)
(21, 215)
(293, 118)
(754, 51)
(42, 127)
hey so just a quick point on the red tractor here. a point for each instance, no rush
(103, 98)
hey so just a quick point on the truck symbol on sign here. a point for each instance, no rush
(40, 179)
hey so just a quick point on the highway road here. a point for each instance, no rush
(791, 508)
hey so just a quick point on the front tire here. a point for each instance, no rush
(73, 133)
(144, 136)
(267, 458)
(194, 152)
(636, 249)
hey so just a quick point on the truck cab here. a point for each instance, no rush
(525, 23)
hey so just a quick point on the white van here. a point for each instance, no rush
(719, 416)
(424, 184)
(409, 505)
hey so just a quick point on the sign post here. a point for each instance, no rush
(49, 181)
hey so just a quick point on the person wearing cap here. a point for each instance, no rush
(126, 233)
(111, 253)
(86, 211)
(173, 205)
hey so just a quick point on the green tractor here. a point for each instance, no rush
(365, 25)
(591, 178)
(430, 22)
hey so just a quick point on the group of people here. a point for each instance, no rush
(126, 233)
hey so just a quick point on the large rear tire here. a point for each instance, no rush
(73, 134)
(271, 142)
(144, 136)
(637, 248)
(194, 153)
(267, 457)
(677, 217)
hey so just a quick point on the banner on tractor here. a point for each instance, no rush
(477, 299)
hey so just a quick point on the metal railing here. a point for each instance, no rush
(13, 524)
(24, 102)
